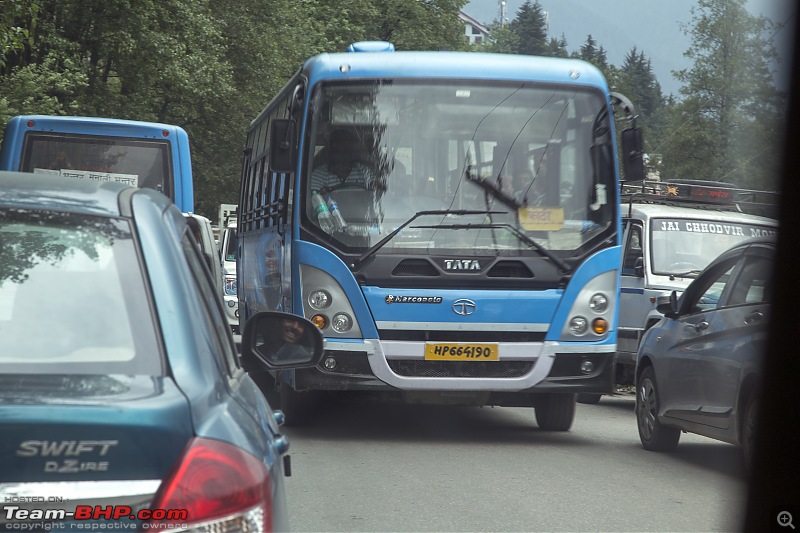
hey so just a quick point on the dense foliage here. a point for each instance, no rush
(211, 66)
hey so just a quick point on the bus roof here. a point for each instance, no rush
(94, 125)
(453, 65)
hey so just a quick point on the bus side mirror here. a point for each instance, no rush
(632, 150)
(282, 145)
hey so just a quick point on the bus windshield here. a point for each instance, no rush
(531, 161)
(138, 162)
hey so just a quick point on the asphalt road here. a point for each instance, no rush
(394, 467)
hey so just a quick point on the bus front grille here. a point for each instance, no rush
(460, 369)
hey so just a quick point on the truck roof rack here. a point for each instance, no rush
(702, 194)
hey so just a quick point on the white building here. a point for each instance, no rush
(475, 32)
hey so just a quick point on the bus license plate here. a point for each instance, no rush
(457, 351)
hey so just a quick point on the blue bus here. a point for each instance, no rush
(145, 154)
(450, 221)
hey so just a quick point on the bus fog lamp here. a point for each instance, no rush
(599, 326)
(578, 325)
(236, 313)
(231, 303)
(329, 363)
(587, 367)
(319, 299)
(598, 303)
(341, 322)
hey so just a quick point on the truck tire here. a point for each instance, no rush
(555, 412)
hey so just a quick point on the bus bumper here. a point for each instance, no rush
(526, 368)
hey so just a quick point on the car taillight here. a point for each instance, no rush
(221, 487)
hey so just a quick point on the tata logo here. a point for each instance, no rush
(461, 264)
(464, 307)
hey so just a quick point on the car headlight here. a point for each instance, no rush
(230, 286)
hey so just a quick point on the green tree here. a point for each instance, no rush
(530, 25)
(724, 129)
(595, 55)
(557, 47)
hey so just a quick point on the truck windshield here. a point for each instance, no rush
(685, 245)
(538, 157)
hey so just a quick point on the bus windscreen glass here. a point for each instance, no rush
(538, 156)
(142, 163)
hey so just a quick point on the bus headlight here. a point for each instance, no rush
(327, 305)
(319, 299)
(341, 322)
(578, 326)
(598, 303)
(592, 314)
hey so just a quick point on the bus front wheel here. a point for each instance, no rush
(555, 412)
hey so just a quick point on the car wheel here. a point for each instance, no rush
(749, 430)
(555, 412)
(654, 436)
(297, 406)
(588, 398)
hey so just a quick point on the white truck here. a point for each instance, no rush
(671, 232)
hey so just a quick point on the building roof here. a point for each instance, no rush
(469, 20)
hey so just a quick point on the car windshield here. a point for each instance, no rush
(688, 245)
(48, 262)
(386, 150)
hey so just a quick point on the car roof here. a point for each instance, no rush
(646, 211)
(44, 191)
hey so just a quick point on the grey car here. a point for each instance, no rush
(698, 370)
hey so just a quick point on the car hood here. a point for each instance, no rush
(90, 427)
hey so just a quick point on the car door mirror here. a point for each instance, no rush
(276, 341)
(668, 305)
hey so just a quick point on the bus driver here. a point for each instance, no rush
(343, 167)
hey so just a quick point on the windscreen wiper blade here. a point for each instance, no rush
(689, 274)
(565, 268)
(493, 190)
(380, 244)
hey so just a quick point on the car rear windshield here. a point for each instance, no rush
(72, 297)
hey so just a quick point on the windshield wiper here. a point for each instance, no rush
(521, 236)
(380, 244)
(689, 274)
(492, 189)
